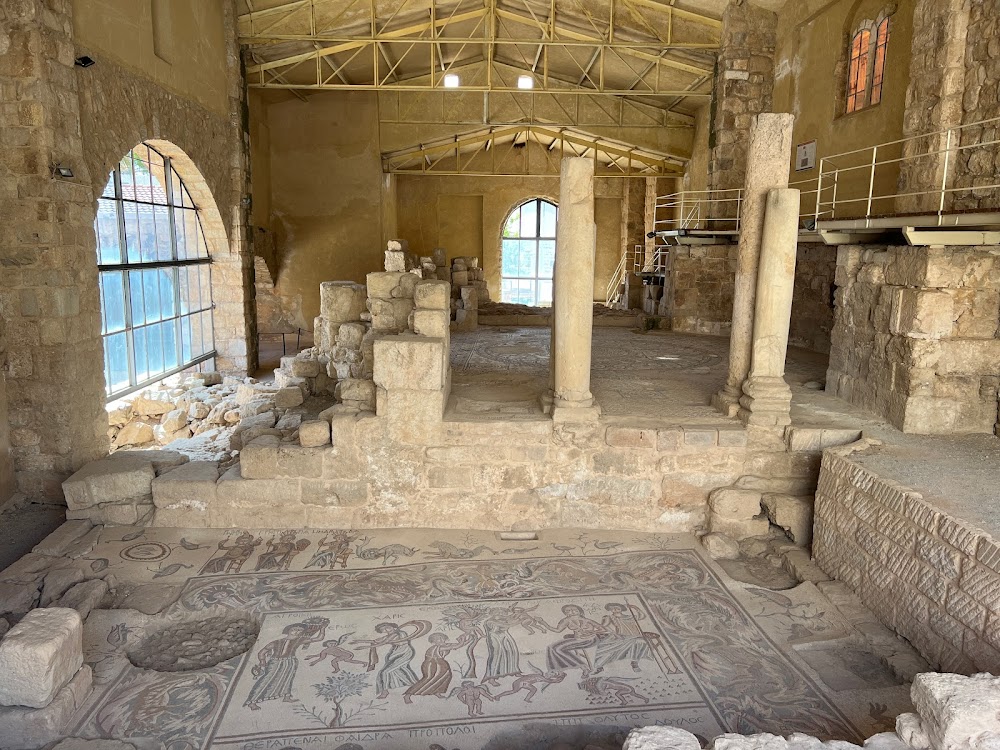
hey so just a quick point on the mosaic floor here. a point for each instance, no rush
(634, 373)
(458, 640)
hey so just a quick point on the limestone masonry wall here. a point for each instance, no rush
(698, 296)
(812, 300)
(915, 336)
(928, 576)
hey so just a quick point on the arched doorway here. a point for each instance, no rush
(155, 274)
(528, 253)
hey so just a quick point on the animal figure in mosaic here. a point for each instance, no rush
(573, 651)
(396, 671)
(334, 651)
(606, 688)
(529, 683)
(278, 662)
(336, 550)
(449, 551)
(471, 695)
(233, 555)
(435, 671)
(389, 554)
(281, 551)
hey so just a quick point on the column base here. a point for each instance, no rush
(565, 411)
(766, 402)
(727, 402)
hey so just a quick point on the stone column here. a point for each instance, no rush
(766, 397)
(769, 160)
(573, 316)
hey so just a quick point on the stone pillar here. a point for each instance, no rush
(49, 299)
(768, 163)
(766, 397)
(574, 293)
(744, 87)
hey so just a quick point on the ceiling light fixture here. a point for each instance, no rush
(525, 82)
(452, 81)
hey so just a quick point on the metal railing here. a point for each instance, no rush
(616, 287)
(699, 210)
(636, 261)
(875, 181)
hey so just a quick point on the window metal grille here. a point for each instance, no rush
(857, 81)
(529, 254)
(155, 275)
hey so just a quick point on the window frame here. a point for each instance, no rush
(537, 239)
(126, 267)
(867, 91)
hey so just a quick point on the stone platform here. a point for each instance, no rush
(911, 525)
(417, 639)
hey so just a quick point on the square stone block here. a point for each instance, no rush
(189, 486)
(341, 302)
(23, 728)
(432, 295)
(381, 283)
(288, 398)
(410, 362)
(314, 433)
(432, 323)
(39, 656)
(109, 480)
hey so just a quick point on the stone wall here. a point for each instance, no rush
(744, 87)
(934, 96)
(698, 296)
(980, 166)
(87, 119)
(48, 277)
(812, 300)
(6, 464)
(928, 576)
(914, 337)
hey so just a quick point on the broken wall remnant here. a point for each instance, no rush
(914, 338)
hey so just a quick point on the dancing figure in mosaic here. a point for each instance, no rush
(435, 671)
(471, 694)
(334, 651)
(573, 651)
(280, 553)
(396, 671)
(502, 655)
(278, 662)
(233, 555)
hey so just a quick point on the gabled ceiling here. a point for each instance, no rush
(659, 52)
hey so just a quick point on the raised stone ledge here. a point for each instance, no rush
(932, 578)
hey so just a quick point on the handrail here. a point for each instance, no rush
(617, 279)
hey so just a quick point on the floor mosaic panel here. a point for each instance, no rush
(460, 641)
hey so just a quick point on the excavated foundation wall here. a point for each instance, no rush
(915, 336)
(927, 575)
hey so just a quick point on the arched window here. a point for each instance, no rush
(529, 254)
(155, 275)
(866, 71)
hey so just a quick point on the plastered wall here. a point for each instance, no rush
(465, 216)
(811, 83)
(180, 44)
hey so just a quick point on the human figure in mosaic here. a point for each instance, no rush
(278, 662)
(625, 640)
(573, 651)
(336, 653)
(502, 655)
(329, 553)
(280, 553)
(435, 671)
(472, 696)
(529, 683)
(233, 555)
(396, 671)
